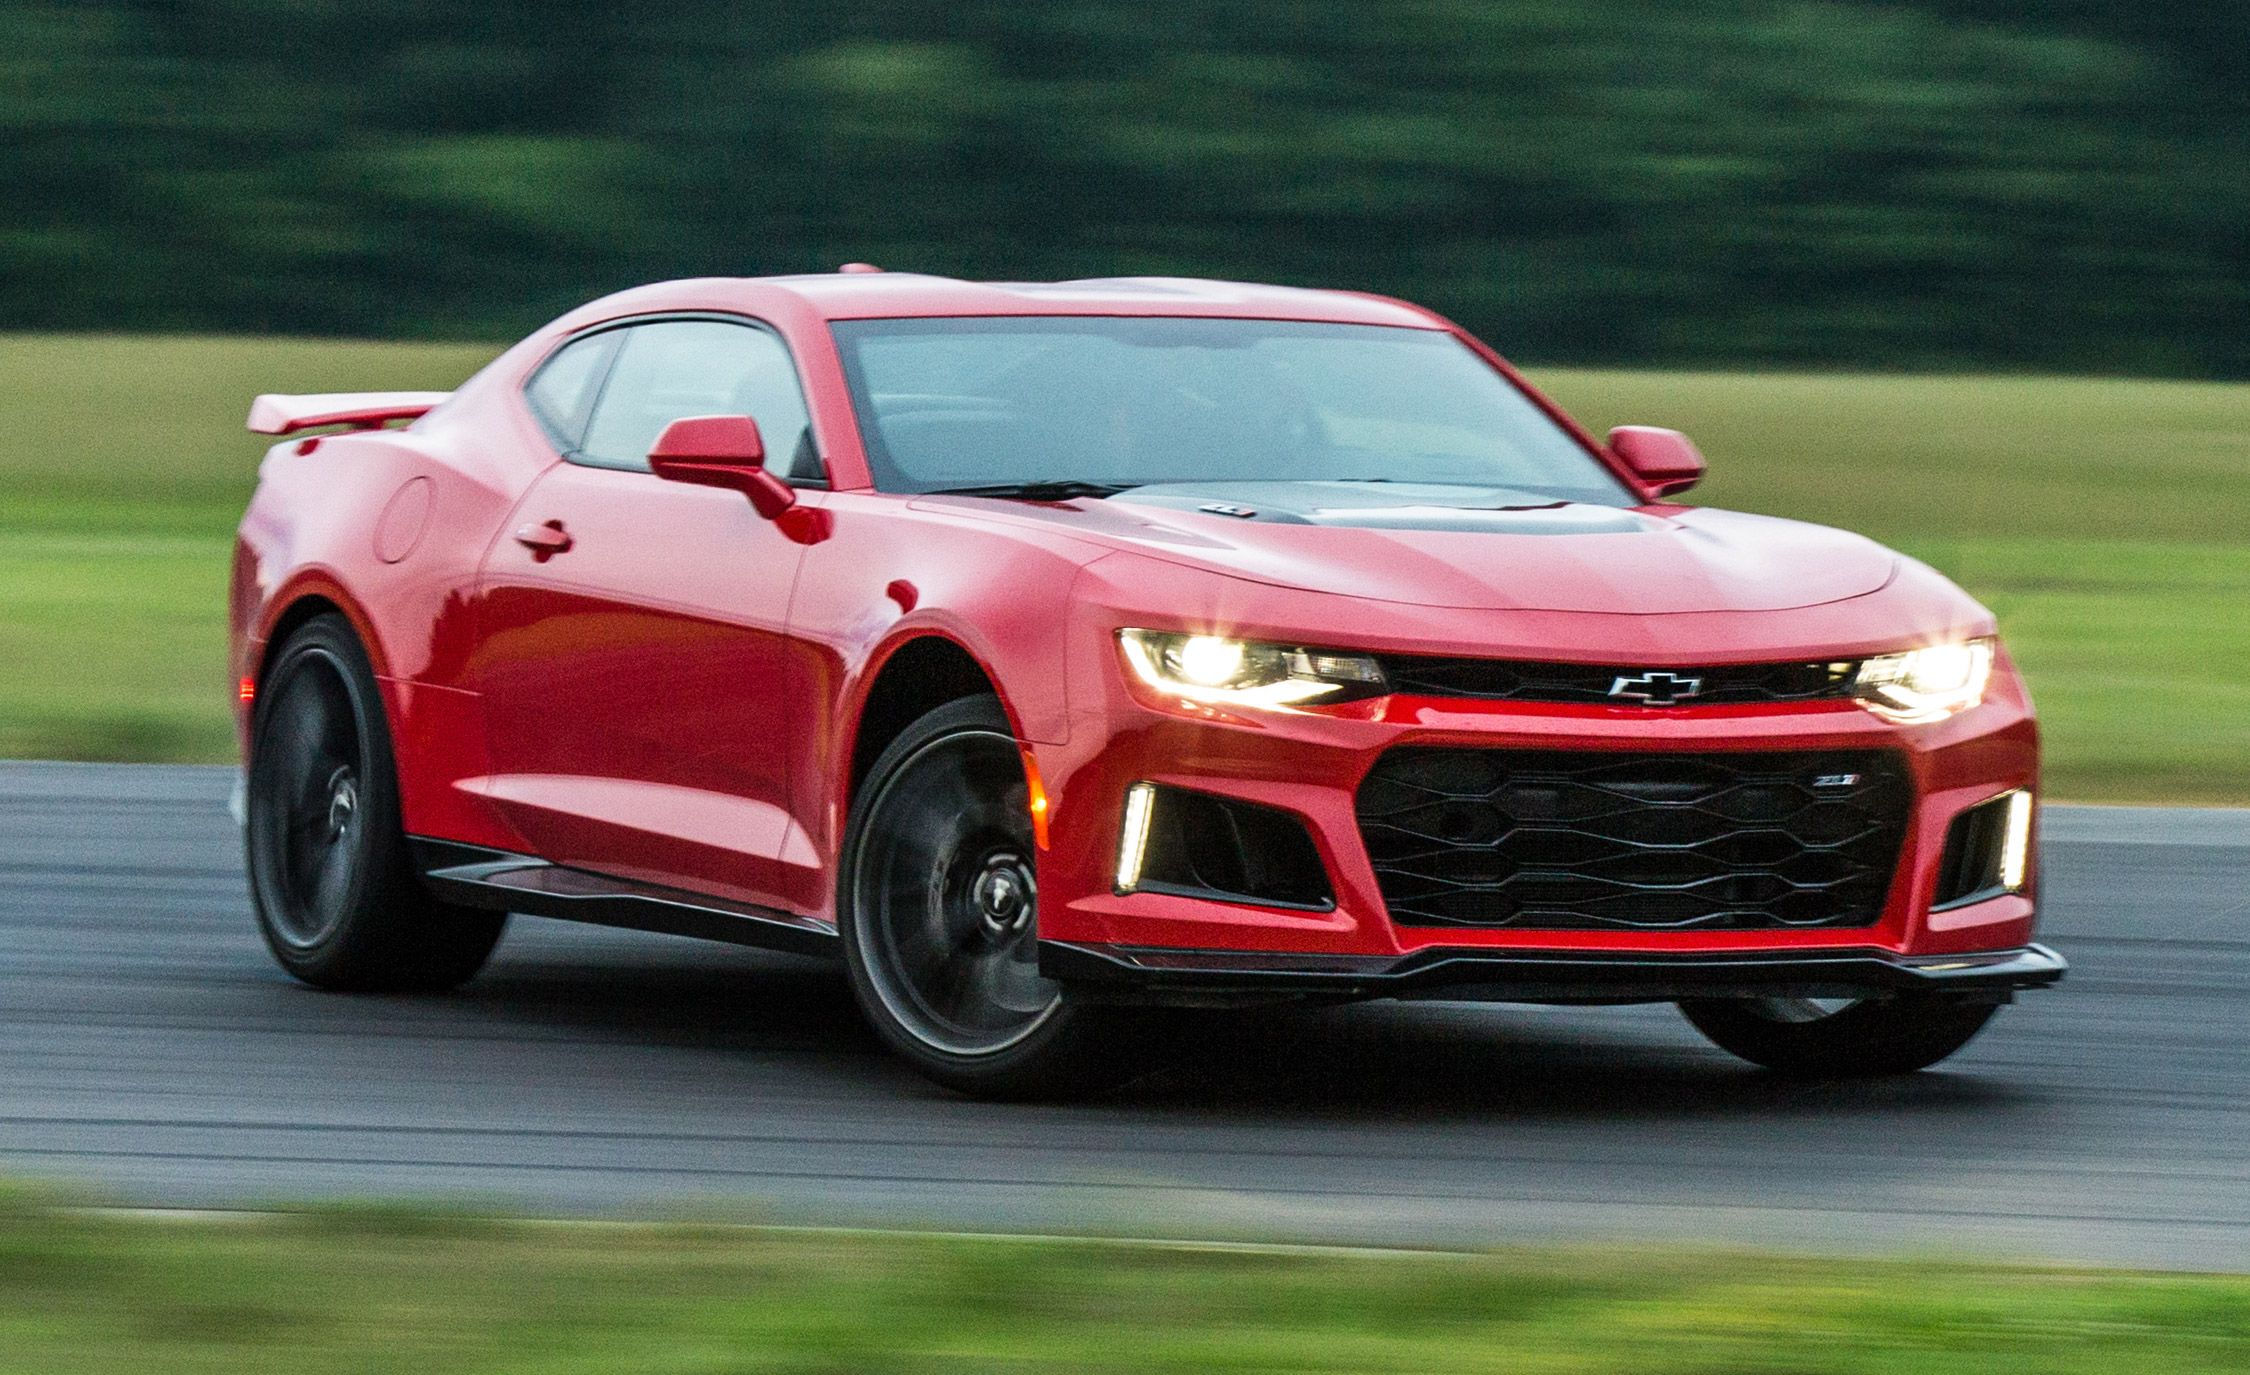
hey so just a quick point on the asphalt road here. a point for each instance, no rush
(151, 1054)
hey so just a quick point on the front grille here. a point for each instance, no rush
(1514, 680)
(1577, 840)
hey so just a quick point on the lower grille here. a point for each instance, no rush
(1576, 840)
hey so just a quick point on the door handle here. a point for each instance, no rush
(544, 540)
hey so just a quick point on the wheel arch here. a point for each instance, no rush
(294, 607)
(907, 679)
(301, 603)
(292, 617)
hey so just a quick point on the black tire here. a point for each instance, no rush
(1874, 1036)
(338, 899)
(937, 903)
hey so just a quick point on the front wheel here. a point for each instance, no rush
(938, 906)
(1839, 1039)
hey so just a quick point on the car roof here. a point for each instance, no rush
(864, 294)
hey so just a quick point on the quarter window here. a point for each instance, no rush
(674, 368)
(563, 391)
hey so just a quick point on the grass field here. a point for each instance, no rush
(2105, 521)
(386, 1291)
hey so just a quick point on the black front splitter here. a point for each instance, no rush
(1145, 974)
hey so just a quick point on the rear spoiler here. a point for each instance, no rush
(362, 410)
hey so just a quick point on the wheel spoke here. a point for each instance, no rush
(922, 945)
(294, 736)
(1016, 983)
(915, 859)
(306, 848)
(332, 875)
(954, 987)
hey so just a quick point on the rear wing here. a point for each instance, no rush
(362, 410)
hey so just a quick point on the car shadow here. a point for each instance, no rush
(629, 987)
(1358, 1063)
(1382, 1060)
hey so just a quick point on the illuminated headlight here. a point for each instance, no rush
(1923, 685)
(1213, 668)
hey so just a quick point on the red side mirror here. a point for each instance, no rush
(721, 451)
(1665, 461)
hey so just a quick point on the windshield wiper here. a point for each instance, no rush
(1061, 490)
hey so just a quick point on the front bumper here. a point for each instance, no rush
(1311, 764)
(1126, 974)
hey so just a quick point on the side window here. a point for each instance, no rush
(562, 392)
(673, 368)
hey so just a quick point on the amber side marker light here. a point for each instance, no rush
(1040, 809)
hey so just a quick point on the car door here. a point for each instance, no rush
(632, 630)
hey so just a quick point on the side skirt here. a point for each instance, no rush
(495, 879)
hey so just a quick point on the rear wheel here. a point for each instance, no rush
(1841, 1038)
(335, 890)
(938, 905)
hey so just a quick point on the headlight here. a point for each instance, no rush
(1923, 685)
(1212, 668)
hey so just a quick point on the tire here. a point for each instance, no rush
(937, 904)
(1814, 1039)
(336, 892)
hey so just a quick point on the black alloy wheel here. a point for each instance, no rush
(309, 835)
(938, 904)
(336, 894)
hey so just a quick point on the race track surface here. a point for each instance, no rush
(150, 1053)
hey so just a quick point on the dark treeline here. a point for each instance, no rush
(1932, 183)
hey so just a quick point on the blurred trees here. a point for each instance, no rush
(2052, 184)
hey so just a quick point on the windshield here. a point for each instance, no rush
(1129, 401)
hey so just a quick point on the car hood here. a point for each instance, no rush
(1478, 548)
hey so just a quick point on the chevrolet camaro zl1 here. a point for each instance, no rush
(1055, 653)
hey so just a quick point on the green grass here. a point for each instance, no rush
(2103, 520)
(389, 1291)
(125, 466)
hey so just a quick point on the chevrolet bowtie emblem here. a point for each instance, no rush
(1656, 689)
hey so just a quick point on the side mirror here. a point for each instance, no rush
(1665, 461)
(721, 451)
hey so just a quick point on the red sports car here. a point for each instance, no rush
(1056, 652)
